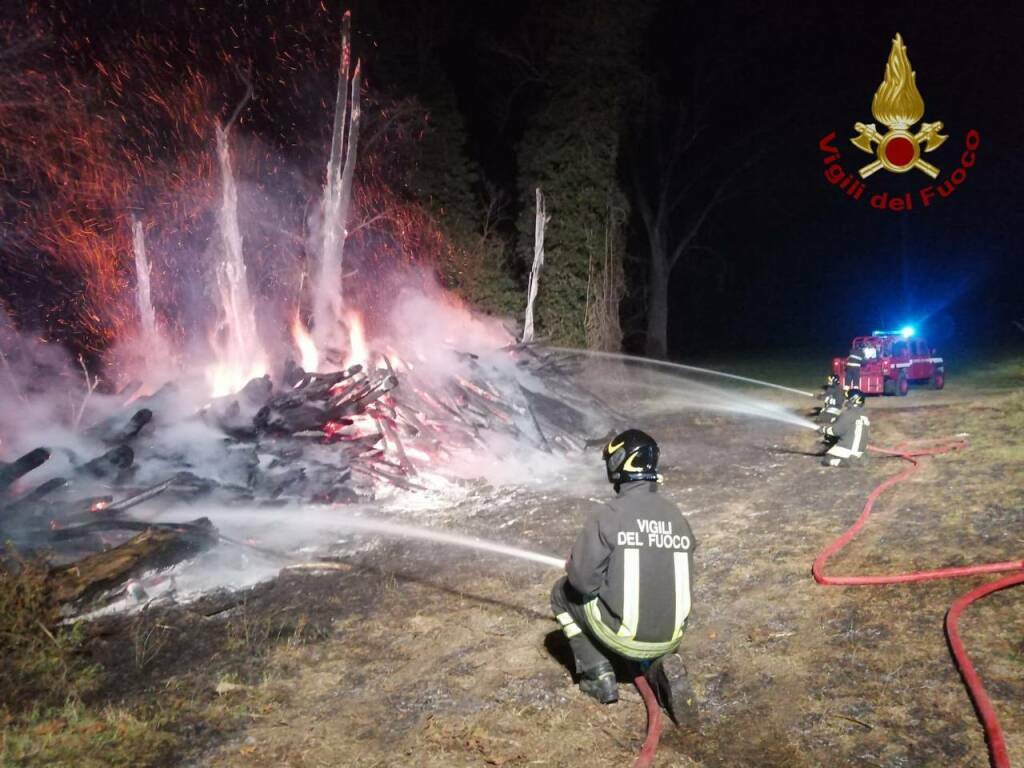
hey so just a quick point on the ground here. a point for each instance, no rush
(410, 654)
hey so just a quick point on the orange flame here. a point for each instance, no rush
(358, 351)
(307, 348)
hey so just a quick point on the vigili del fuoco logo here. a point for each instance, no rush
(897, 148)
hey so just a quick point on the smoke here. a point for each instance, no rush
(437, 327)
(201, 259)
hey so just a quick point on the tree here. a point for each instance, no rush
(682, 166)
(449, 184)
(571, 150)
(674, 206)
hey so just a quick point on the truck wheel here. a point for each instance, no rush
(938, 380)
(889, 387)
(902, 386)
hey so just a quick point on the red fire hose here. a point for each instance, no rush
(993, 732)
(650, 746)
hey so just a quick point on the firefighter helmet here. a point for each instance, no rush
(855, 398)
(630, 456)
(831, 380)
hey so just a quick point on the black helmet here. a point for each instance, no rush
(631, 456)
(855, 398)
(831, 380)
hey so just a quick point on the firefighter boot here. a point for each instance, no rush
(600, 683)
(667, 676)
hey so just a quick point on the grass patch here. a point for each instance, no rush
(42, 667)
(77, 735)
(142, 706)
(46, 680)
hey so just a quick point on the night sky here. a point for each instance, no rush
(792, 262)
(804, 265)
(811, 265)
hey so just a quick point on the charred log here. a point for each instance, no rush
(32, 498)
(302, 417)
(115, 430)
(111, 464)
(10, 472)
(152, 548)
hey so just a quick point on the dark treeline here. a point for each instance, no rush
(676, 144)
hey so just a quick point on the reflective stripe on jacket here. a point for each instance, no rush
(851, 431)
(633, 563)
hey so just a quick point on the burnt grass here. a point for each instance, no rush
(418, 655)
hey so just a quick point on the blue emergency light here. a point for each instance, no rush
(906, 332)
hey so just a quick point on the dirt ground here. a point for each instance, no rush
(413, 655)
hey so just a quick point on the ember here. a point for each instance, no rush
(399, 387)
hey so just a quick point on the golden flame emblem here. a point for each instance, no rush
(898, 105)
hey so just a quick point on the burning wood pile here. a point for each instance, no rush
(338, 437)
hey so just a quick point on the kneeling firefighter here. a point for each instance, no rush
(627, 589)
(847, 436)
(832, 400)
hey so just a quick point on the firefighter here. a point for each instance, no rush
(832, 400)
(847, 436)
(853, 363)
(627, 590)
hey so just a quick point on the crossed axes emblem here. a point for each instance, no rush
(893, 147)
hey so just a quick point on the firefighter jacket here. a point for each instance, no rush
(850, 432)
(632, 563)
(833, 399)
(853, 363)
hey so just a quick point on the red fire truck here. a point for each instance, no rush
(893, 359)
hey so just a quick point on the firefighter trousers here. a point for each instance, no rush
(567, 605)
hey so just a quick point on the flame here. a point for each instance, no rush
(225, 378)
(358, 351)
(898, 103)
(307, 348)
(233, 367)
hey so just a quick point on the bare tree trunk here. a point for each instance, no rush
(657, 305)
(328, 296)
(350, 165)
(605, 288)
(538, 262)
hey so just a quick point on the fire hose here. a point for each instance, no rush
(989, 720)
(650, 746)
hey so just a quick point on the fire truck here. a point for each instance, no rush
(892, 360)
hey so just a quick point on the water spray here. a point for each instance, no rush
(314, 520)
(706, 397)
(402, 530)
(680, 367)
